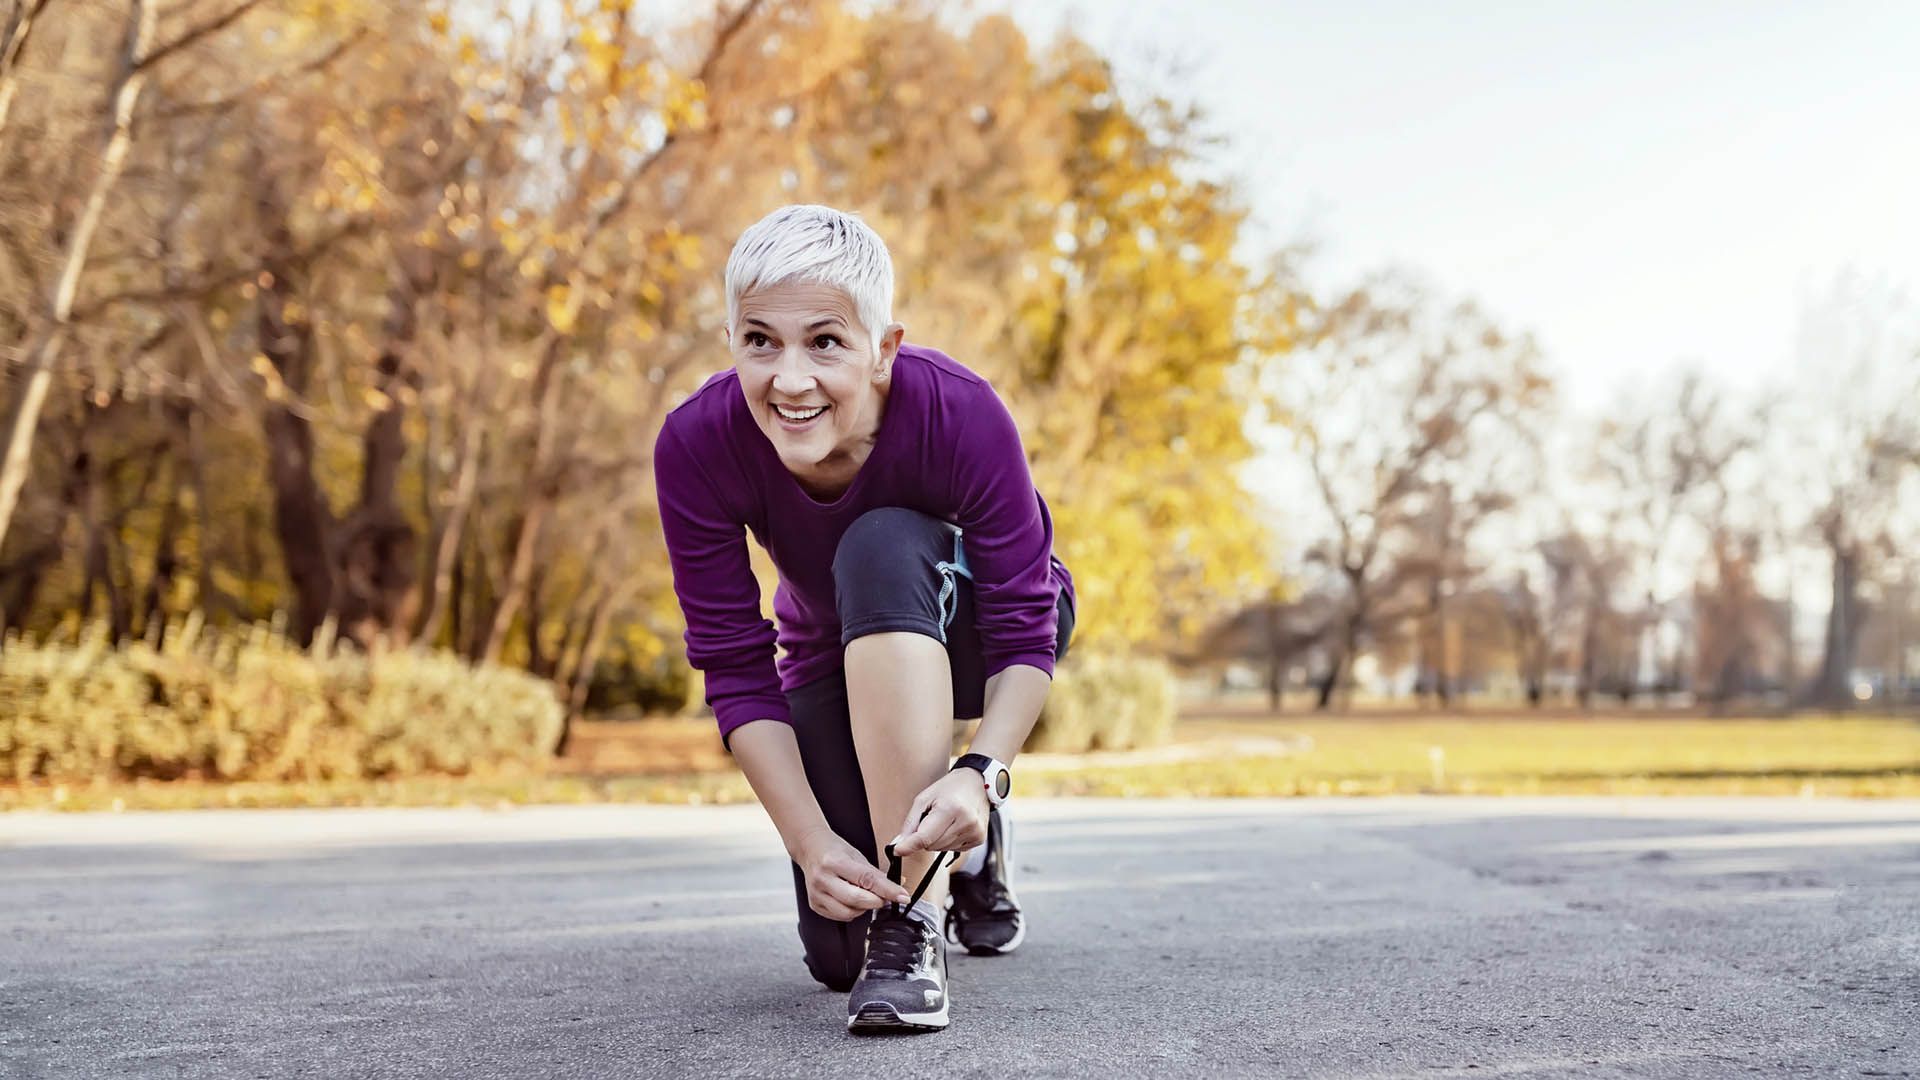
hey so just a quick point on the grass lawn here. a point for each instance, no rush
(1521, 755)
(681, 761)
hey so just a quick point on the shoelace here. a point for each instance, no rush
(894, 937)
(894, 870)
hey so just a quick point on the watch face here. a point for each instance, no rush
(1002, 783)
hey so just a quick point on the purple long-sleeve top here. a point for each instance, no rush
(946, 446)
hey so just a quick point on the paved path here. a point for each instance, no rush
(1378, 938)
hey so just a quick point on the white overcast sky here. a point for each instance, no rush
(1640, 184)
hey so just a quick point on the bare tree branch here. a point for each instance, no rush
(317, 64)
(19, 29)
(198, 33)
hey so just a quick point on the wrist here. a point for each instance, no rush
(806, 838)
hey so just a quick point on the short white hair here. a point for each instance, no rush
(816, 244)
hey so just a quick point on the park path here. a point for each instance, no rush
(1376, 938)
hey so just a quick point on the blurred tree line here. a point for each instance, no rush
(1465, 530)
(365, 314)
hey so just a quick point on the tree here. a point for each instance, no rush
(48, 333)
(1860, 440)
(1387, 399)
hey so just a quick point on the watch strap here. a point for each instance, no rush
(991, 771)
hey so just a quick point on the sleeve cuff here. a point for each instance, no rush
(737, 714)
(1042, 659)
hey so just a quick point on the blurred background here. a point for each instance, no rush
(1515, 400)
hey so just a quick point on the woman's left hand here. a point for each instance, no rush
(950, 815)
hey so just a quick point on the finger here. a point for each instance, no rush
(914, 839)
(876, 883)
(863, 876)
(848, 893)
(957, 837)
(966, 829)
(821, 898)
(935, 825)
(828, 908)
(962, 837)
(921, 804)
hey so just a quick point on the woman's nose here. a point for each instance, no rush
(790, 375)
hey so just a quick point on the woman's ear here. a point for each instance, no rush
(890, 340)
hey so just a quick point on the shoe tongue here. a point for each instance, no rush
(922, 912)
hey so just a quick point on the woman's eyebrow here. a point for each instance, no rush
(831, 320)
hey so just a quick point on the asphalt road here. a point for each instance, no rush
(1378, 938)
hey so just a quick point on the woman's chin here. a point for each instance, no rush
(799, 451)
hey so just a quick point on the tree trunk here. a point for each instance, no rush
(443, 591)
(27, 573)
(1589, 657)
(1835, 689)
(538, 495)
(456, 606)
(590, 656)
(44, 353)
(166, 560)
(97, 558)
(1323, 696)
(377, 595)
(107, 550)
(481, 595)
(303, 522)
(207, 596)
(1341, 670)
(538, 662)
(577, 624)
(1276, 659)
(519, 573)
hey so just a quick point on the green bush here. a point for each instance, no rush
(1106, 703)
(250, 705)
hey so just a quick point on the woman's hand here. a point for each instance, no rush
(841, 882)
(950, 815)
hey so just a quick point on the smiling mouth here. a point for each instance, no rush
(798, 416)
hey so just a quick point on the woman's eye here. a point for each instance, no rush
(826, 341)
(757, 340)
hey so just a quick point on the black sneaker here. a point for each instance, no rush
(982, 913)
(904, 984)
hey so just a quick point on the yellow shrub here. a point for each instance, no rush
(1106, 703)
(250, 705)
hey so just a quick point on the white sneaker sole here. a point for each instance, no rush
(877, 1016)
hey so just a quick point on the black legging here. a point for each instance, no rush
(896, 569)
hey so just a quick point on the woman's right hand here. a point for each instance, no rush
(842, 883)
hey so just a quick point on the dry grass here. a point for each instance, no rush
(681, 761)
(1874, 756)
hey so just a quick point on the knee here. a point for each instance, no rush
(878, 538)
(878, 555)
(835, 951)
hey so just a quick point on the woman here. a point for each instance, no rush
(917, 585)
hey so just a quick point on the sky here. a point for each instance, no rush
(1640, 185)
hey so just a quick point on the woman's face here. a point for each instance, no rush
(810, 373)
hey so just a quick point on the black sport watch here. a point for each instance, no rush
(999, 778)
